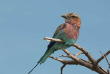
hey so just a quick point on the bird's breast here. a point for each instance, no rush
(71, 32)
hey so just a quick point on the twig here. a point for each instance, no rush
(102, 57)
(77, 61)
(75, 45)
(52, 39)
(78, 53)
(70, 55)
(58, 59)
(64, 61)
(62, 68)
(64, 56)
(81, 62)
(85, 52)
(106, 60)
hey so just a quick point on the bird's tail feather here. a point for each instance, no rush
(46, 55)
(33, 68)
(43, 58)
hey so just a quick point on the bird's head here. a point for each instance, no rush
(71, 16)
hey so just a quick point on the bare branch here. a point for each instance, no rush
(85, 52)
(64, 56)
(75, 45)
(77, 61)
(70, 55)
(62, 68)
(105, 58)
(78, 54)
(58, 59)
(64, 61)
(52, 39)
(102, 57)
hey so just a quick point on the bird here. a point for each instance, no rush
(67, 32)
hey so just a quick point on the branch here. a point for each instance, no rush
(105, 58)
(64, 61)
(58, 59)
(71, 56)
(77, 61)
(86, 63)
(62, 68)
(78, 54)
(75, 45)
(64, 56)
(102, 57)
(81, 62)
(85, 52)
(52, 39)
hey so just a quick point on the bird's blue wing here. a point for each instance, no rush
(54, 36)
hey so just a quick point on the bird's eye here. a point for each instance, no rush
(73, 16)
(77, 27)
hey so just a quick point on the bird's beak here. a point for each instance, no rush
(63, 16)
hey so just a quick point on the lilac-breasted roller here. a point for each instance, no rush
(68, 32)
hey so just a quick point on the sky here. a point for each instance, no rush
(24, 24)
